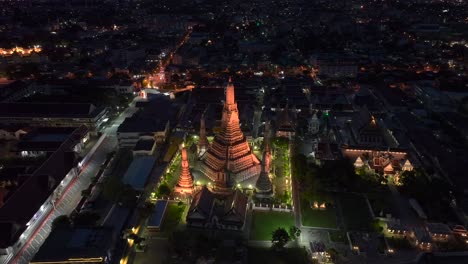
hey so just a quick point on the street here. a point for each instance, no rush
(71, 196)
(67, 202)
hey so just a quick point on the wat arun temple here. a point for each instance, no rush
(227, 161)
(230, 153)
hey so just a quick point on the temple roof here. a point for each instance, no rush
(236, 204)
(230, 208)
(202, 202)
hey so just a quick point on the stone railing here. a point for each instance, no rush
(261, 207)
(273, 207)
(282, 208)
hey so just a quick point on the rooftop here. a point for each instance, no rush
(158, 214)
(34, 191)
(47, 138)
(438, 228)
(138, 172)
(153, 117)
(65, 244)
(144, 144)
(49, 110)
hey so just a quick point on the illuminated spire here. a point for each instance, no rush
(185, 183)
(230, 152)
(230, 93)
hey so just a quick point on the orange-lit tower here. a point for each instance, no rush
(230, 152)
(185, 183)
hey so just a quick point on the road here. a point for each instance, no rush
(67, 202)
(71, 196)
(165, 61)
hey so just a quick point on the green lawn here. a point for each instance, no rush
(288, 255)
(172, 217)
(317, 218)
(355, 211)
(264, 223)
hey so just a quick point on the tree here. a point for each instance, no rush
(86, 219)
(112, 189)
(86, 193)
(280, 238)
(62, 221)
(164, 190)
(128, 197)
(146, 210)
(294, 232)
(280, 142)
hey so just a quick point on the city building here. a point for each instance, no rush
(365, 130)
(145, 146)
(439, 232)
(422, 239)
(397, 229)
(335, 65)
(138, 172)
(285, 125)
(156, 219)
(153, 119)
(385, 162)
(119, 86)
(42, 140)
(34, 189)
(93, 245)
(53, 115)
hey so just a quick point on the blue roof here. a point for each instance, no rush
(138, 172)
(158, 215)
